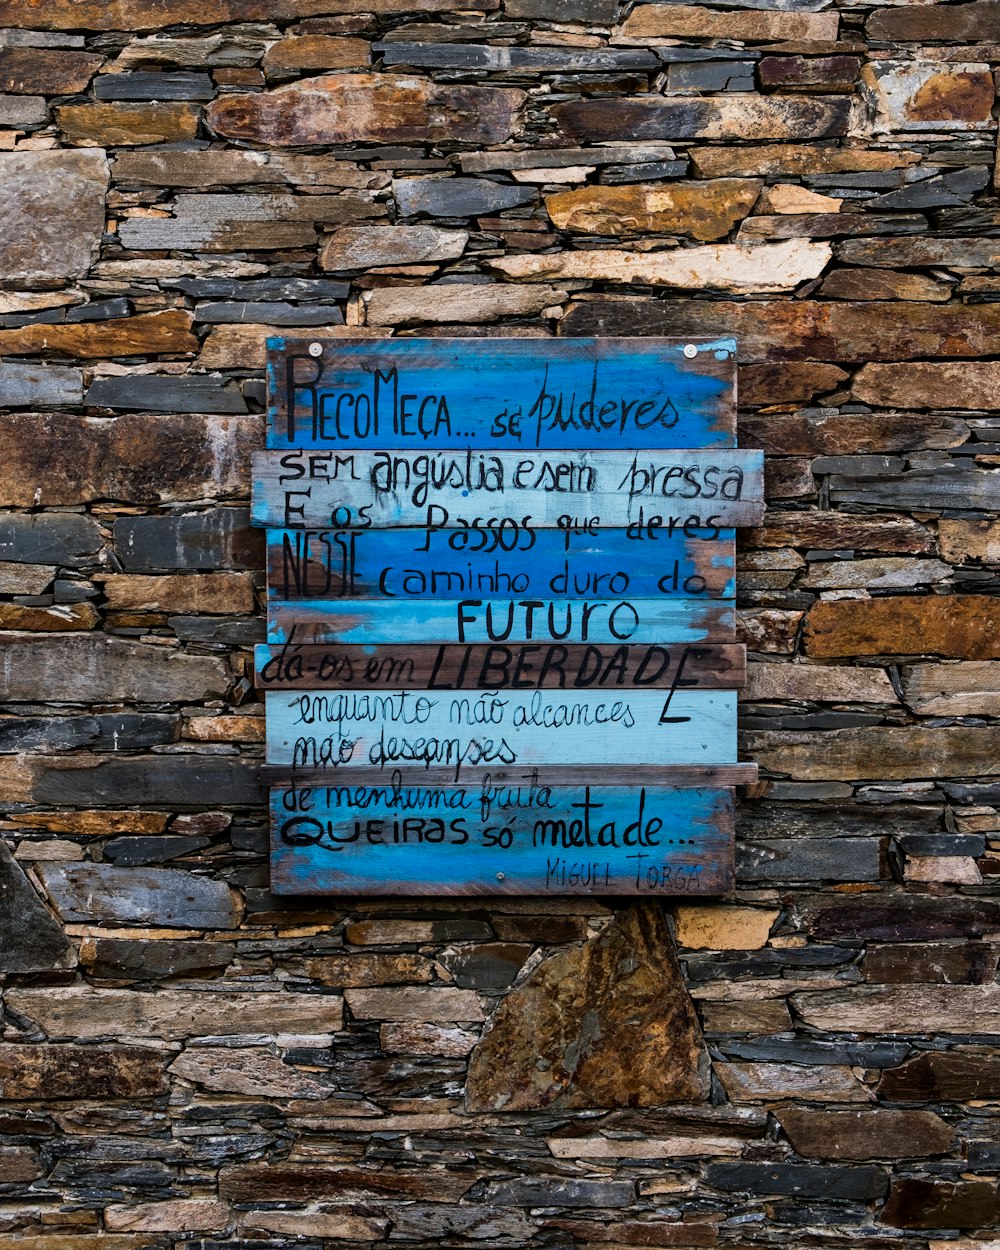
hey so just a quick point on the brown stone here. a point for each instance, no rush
(82, 1012)
(963, 540)
(772, 630)
(181, 1215)
(789, 383)
(459, 302)
(128, 124)
(809, 73)
(879, 1134)
(61, 617)
(883, 284)
(929, 1009)
(781, 1082)
(315, 52)
(44, 1072)
(770, 330)
(39, 241)
(244, 346)
(921, 23)
(943, 1076)
(722, 928)
(703, 210)
(135, 459)
(178, 167)
(96, 824)
(47, 71)
(284, 1182)
(930, 384)
(769, 1015)
(917, 1203)
(145, 334)
(829, 432)
(368, 108)
(958, 689)
(833, 531)
(361, 247)
(779, 159)
(141, 15)
(924, 95)
(964, 627)
(913, 963)
(415, 1038)
(193, 592)
(331, 1224)
(252, 1070)
(610, 1019)
(414, 1003)
(657, 21)
(225, 729)
(821, 683)
(898, 917)
(822, 225)
(358, 970)
(896, 754)
(735, 115)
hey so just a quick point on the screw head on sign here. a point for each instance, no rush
(500, 876)
(316, 349)
(690, 351)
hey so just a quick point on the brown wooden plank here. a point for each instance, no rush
(519, 666)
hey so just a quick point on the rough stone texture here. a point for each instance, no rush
(75, 1072)
(31, 939)
(879, 1134)
(105, 894)
(726, 117)
(358, 247)
(926, 384)
(39, 241)
(608, 1022)
(703, 210)
(367, 108)
(961, 627)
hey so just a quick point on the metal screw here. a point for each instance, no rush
(690, 351)
(499, 876)
(316, 349)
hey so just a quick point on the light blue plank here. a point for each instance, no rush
(441, 564)
(398, 621)
(525, 839)
(389, 729)
(449, 489)
(496, 393)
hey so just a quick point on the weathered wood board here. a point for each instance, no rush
(443, 564)
(714, 488)
(502, 567)
(504, 620)
(526, 666)
(501, 393)
(338, 730)
(491, 839)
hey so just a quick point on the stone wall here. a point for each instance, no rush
(188, 1062)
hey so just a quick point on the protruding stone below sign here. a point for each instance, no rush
(368, 108)
(606, 1024)
(39, 240)
(31, 939)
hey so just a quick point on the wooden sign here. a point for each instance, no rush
(501, 647)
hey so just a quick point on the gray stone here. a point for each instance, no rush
(457, 197)
(139, 851)
(236, 631)
(118, 958)
(32, 385)
(146, 86)
(117, 731)
(711, 76)
(180, 780)
(360, 247)
(25, 579)
(98, 310)
(648, 171)
(62, 538)
(514, 59)
(105, 894)
(809, 859)
(85, 669)
(31, 939)
(229, 311)
(303, 290)
(559, 1191)
(23, 110)
(150, 392)
(39, 240)
(220, 539)
(801, 1179)
(950, 189)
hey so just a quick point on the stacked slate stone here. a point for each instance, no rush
(187, 1062)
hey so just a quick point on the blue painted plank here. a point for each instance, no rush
(514, 840)
(501, 393)
(442, 564)
(450, 489)
(399, 621)
(391, 728)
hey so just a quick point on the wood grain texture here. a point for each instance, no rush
(502, 393)
(498, 667)
(386, 489)
(440, 564)
(387, 729)
(467, 840)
